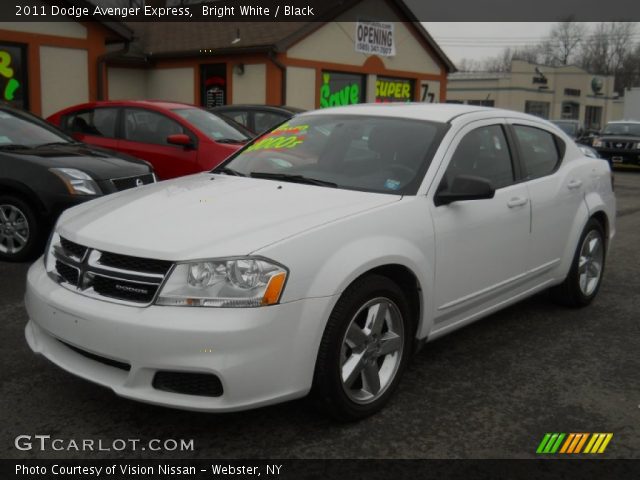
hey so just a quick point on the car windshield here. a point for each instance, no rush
(570, 128)
(625, 129)
(211, 125)
(367, 153)
(21, 130)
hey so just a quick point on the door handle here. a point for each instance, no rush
(574, 184)
(517, 202)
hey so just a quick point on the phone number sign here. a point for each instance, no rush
(375, 38)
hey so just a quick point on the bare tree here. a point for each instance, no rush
(563, 45)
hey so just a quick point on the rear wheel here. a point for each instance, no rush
(364, 349)
(19, 229)
(583, 282)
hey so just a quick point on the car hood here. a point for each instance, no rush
(101, 164)
(620, 138)
(208, 216)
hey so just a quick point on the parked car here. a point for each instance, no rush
(574, 129)
(43, 172)
(257, 118)
(619, 142)
(322, 254)
(176, 138)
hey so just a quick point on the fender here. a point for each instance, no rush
(12, 186)
(324, 261)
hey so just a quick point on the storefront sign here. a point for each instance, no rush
(394, 90)
(375, 38)
(13, 75)
(339, 89)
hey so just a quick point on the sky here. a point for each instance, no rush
(479, 40)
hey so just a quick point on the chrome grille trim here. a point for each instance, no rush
(128, 282)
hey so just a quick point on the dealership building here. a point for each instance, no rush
(566, 92)
(340, 61)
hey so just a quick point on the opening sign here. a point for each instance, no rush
(375, 38)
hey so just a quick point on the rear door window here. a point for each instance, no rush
(539, 151)
(100, 122)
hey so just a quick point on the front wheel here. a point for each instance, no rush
(364, 349)
(583, 282)
(19, 229)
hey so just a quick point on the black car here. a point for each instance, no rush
(619, 143)
(257, 118)
(43, 172)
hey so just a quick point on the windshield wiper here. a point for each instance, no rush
(287, 177)
(53, 144)
(228, 171)
(15, 146)
(231, 140)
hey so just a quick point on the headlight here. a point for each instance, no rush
(49, 257)
(597, 142)
(231, 282)
(76, 181)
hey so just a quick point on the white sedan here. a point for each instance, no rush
(321, 255)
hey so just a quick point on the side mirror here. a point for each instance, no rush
(180, 139)
(465, 187)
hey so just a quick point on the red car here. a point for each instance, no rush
(176, 138)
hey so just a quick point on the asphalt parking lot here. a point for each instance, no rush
(491, 390)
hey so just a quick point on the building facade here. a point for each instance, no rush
(344, 60)
(567, 92)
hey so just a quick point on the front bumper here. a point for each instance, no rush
(620, 157)
(261, 355)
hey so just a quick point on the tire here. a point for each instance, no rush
(345, 377)
(20, 230)
(582, 284)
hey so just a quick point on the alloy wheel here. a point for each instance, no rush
(590, 263)
(14, 229)
(372, 350)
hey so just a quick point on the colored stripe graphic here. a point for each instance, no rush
(553, 443)
(550, 443)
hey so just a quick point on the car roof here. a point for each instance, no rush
(132, 103)
(252, 106)
(436, 112)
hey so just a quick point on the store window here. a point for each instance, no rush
(13, 74)
(339, 89)
(592, 117)
(392, 90)
(482, 103)
(539, 109)
(570, 110)
(213, 85)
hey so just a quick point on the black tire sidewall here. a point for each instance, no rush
(33, 242)
(328, 382)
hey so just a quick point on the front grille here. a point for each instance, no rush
(98, 358)
(125, 262)
(124, 290)
(131, 182)
(188, 383)
(68, 273)
(619, 145)
(73, 249)
(108, 275)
